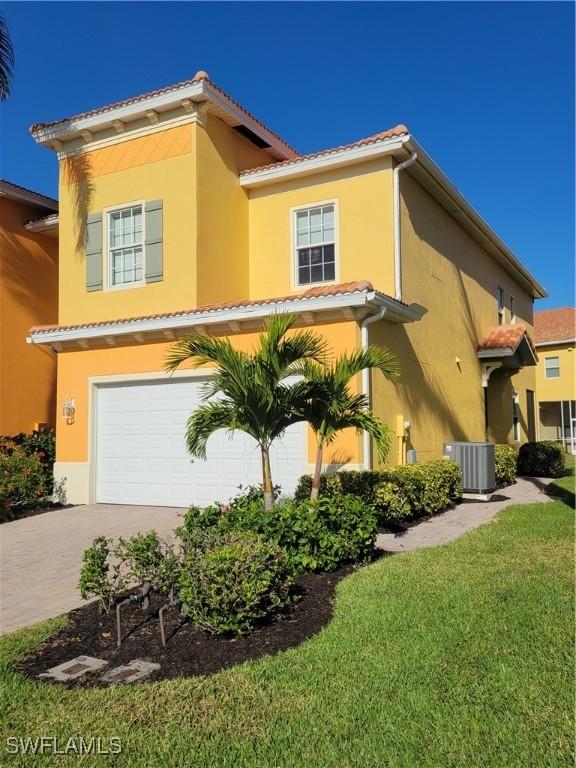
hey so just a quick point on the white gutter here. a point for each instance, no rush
(397, 228)
(554, 343)
(366, 390)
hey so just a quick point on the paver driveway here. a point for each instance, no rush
(40, 557)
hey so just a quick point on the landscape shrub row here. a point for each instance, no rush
(398, 493)
(316, 535)
(505, 458)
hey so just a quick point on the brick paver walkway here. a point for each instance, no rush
(451, 524)
(41, 557)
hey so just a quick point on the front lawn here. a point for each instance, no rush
(454, 656)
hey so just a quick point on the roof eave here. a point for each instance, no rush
(201, 90)
(348, 306)
(463, 206)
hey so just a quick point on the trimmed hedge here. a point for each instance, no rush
(23, 481)
(398, 493)
(541, 460)
(314, 535)
(505, 464)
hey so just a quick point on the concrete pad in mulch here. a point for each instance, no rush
(74, 668)
(129, 673)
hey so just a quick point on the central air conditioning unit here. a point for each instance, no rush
(476, 460)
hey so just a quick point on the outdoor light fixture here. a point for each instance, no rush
(68, 410)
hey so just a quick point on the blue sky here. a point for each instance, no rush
(486, 88)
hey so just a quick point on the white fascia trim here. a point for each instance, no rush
(219, 316)
(43, 225)
(335, 159)
(554, 343)
(172, 98)
(463, 205)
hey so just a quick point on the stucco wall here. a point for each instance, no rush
(28, 296)
(564, 387)
(363, 194)
(440, 391)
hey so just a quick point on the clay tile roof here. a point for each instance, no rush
(506, 336)
(200, 75)
(311, 293)
(8, 186)
(398, 130)
(555, 324)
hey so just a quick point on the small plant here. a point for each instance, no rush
(541, 460)
(232, 581)
(149, 561)
(505, 465)
(99, 577)
(41, 444)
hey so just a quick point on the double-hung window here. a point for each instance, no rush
(552, 367)
(512, 309)
(125, 247)
(315, 242)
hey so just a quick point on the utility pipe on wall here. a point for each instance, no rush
(397, 238)
(367, 446)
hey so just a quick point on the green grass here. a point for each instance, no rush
(455, 656)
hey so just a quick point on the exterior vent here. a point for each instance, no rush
(476, 460)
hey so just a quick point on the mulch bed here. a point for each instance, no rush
(188, 651)
(18, 514)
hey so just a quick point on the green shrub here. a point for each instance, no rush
(99, 577)
(41, 444)
(505, 464)
(316, 536)
(235, 581)
(398, 492)
(147, 560)
(541, 460)
(324, 534)
(22, 480)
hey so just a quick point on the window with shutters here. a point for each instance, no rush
(315, 244)
(125, 246)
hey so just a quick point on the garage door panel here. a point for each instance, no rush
(141, 456)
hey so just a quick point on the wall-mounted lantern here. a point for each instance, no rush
(69, 410)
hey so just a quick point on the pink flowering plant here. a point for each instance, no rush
(22, 480)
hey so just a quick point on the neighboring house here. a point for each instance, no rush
(180, 212)
(555, 333)
(28, 295)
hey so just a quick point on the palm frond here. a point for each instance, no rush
(364, 421)
(6, 60)
(206, 420)
(374, 356)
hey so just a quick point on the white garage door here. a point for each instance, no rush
(141, 457)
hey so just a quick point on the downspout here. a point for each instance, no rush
(397, 239)
(366, 444)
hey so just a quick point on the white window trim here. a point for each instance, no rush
(107, 262)
(516, 434)
(296, 286)
(556, 367)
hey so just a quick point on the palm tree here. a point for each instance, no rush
(249, 390)
(6, 60)
(332, 407)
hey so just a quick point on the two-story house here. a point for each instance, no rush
(28, 295)
(555, 338)
(180, 212)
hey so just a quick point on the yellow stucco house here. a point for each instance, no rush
(181, 212)
(555, 337)
(28, 295)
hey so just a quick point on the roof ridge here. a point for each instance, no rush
(30, 191)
